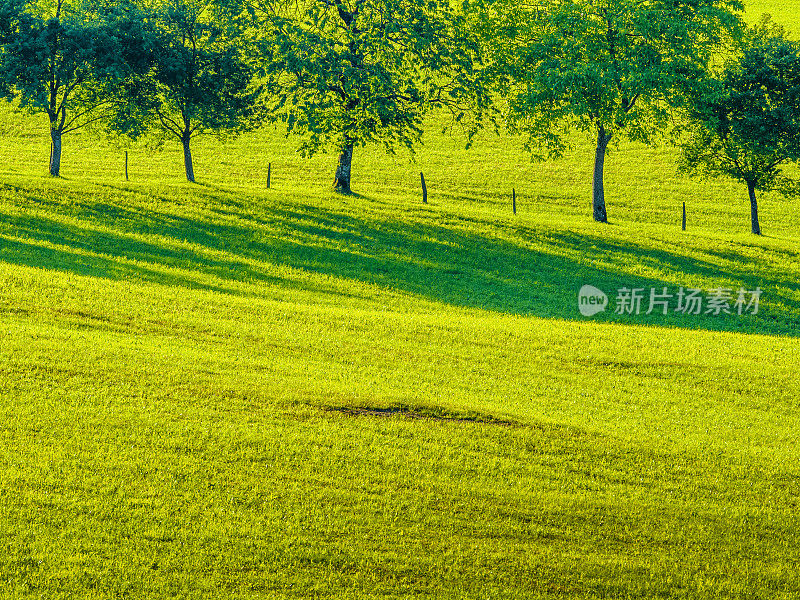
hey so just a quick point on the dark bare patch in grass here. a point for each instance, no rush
(655, 370)
(433, 413)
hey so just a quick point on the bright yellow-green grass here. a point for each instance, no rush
(786, 12)
(224, 391)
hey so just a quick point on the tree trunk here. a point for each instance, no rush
(187, 157)
(598, 194)
(55, 153)
(756, 228)
(342, 182)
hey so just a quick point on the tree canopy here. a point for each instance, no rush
(610, 67)
(746, 125)
(349, 72)
(63, 58)
(199, 79)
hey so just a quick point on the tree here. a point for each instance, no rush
(349, 72)
(10, 13)
(747, 123)
(610, 67)
(62, 58)
(199, 81)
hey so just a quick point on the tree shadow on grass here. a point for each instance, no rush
(233, 246)
(108, 242)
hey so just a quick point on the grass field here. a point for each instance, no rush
(224, 391)
(786, 13)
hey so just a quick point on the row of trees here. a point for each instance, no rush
(173, 69)
(344, 73)
(728, 95)
(337, 73)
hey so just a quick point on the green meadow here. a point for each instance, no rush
(222, 390)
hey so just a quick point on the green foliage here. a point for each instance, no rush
(615, 64)
(350, 72)
(199, 80)
(10, 12)
(607, 66)
(62, 57)
(747, 123)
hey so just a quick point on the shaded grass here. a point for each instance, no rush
(226, 241)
